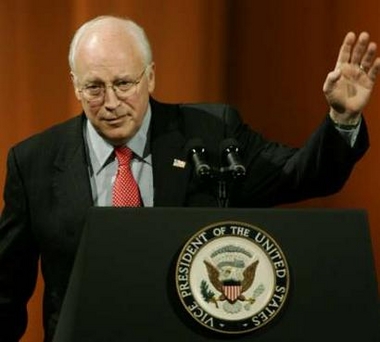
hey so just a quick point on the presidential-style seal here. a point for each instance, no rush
(232, 277)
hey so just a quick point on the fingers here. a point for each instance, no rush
(345, 50)
(374, 69)
(368, 57)
(364, 55)
(360, 52)
(363, 51)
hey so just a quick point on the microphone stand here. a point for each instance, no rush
(227, 176)
(222, 194)
(223, 180)
(223, 189)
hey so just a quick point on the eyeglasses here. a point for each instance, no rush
(123, 88)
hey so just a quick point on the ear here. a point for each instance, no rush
(74, 82)
(151, 78)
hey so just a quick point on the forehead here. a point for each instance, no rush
(108, 52)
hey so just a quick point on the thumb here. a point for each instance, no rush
(331, 79)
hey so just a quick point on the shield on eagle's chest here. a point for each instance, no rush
(232, 291)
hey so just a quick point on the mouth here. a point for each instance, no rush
(115, 120)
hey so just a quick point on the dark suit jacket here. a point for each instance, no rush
(47, 191)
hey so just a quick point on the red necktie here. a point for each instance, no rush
(125, 189)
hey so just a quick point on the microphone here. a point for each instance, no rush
(196, 150)
(230, 153)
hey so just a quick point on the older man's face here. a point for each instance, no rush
(111, 63)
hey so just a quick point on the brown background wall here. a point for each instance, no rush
(268, 58)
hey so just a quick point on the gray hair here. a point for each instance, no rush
(130, 26)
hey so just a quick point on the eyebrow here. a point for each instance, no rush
(125, 77)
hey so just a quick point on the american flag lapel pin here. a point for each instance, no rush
(179, 163)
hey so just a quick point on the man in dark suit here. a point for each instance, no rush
(55, 176)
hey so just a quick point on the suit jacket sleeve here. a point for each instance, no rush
(278, 174)
(18, 257)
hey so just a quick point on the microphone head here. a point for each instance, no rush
(196, 151)
(229, 152)
(194, 145)
(227, 146)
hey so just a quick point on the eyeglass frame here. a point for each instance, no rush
(118, 93)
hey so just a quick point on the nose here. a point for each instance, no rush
(111, 100)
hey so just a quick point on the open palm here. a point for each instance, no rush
(348, 88)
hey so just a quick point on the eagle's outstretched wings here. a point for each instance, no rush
(213, 275)
(249, 276)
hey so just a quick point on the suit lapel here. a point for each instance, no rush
(171, 169)
(71, 182)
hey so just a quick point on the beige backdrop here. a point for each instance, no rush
(268, 58)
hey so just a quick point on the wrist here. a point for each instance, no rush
(346, 127)
(345, 121)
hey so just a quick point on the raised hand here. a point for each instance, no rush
(349, 86)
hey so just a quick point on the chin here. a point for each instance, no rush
(118, 139)
(118, 135)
